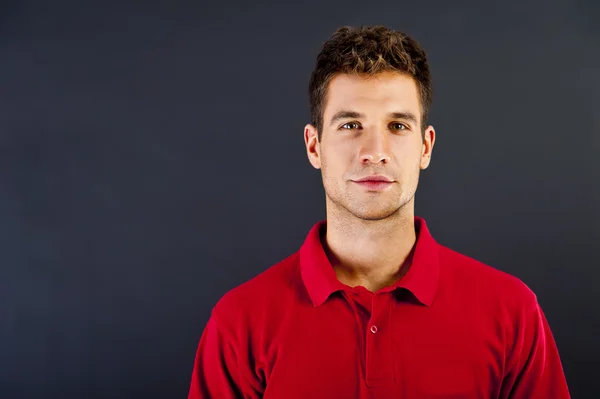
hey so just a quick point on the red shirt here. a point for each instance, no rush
(452, 327)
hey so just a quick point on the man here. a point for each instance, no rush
(371, 306)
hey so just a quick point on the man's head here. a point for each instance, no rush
(368, 51)
(370, 94)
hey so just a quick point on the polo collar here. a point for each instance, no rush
(321, 281)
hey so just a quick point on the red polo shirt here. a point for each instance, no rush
(452, 327)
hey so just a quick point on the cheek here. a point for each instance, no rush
(410, 154)
(336, 161)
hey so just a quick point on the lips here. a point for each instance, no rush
(375, 178)
(374, 183)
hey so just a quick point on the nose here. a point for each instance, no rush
(375, 147)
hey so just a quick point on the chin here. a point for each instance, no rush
(375, 214)
(365, 209)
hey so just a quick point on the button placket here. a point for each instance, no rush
(379, 356)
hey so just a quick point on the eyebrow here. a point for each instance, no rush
(346, 114)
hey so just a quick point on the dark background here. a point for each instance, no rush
(151, 158)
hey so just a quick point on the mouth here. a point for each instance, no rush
(374, 185)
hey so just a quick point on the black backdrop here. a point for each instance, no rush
(151, 158)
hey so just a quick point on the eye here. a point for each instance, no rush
(398, 126)
(350, 126)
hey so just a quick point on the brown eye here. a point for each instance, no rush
(350, 125)
(398, 126)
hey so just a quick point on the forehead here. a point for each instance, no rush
(383, 92)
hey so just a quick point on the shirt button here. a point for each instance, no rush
(373, 329)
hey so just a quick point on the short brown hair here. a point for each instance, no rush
(368, 50)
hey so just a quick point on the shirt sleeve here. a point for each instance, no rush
(535, 369)
(217, 373)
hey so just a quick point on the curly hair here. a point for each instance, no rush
(368, 50)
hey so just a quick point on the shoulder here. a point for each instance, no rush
(260, 294)
(484, 281)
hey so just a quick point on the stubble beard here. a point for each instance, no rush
(380, 206)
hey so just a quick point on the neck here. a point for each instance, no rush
(371, 253)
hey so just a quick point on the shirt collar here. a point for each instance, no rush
(320, 280)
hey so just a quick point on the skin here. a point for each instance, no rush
(370, 234)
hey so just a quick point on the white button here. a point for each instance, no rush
(373, 329)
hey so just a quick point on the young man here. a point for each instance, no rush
(371, 306)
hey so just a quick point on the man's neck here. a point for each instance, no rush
(374, 254)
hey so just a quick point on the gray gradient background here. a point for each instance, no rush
(151, 158)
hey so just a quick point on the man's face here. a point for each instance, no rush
(371, 126)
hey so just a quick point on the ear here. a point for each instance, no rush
(313, 149)
(427, 148)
